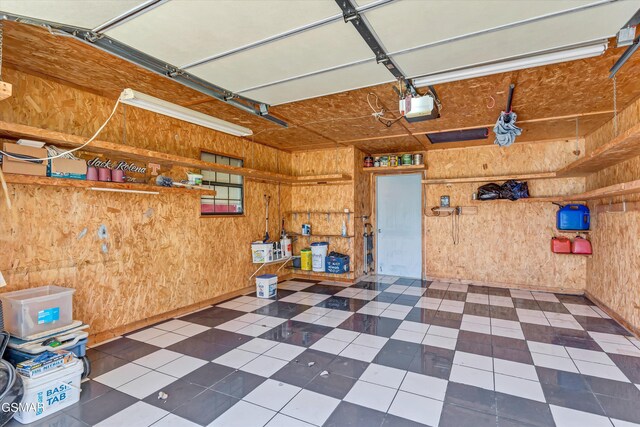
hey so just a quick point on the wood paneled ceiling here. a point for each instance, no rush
(550, 100)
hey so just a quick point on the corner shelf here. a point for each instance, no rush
(621, 148)
(396, 169)
(107, 186)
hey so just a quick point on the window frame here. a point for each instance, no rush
(229, 185)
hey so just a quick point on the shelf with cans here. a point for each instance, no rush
(395, 163)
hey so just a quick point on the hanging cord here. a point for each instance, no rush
(124, 124)
(455, 225)
(64, 153)
(615, 107)
(577, 150)
(378, 111)
(1, 43)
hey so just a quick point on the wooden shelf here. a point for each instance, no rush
(17, 131)
(277, 261)
(572, 231)
(301, 272)
(321, 179)
(319, 212)
(623, 189)
(114, 186)
(522, 177)
(396, 169)
(548, 199)
(631, 187)
(621, 148)
(321, 235)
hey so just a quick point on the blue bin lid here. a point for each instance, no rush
(267, 276)
(320, 244)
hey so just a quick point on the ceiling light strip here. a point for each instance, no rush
(281, 36)
(128, 15)
(503, 27)
(150, 63)
(159, 106)
(513, 64)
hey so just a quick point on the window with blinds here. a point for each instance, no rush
(229, 198)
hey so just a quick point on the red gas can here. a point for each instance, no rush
(560, 245)
(581, 246)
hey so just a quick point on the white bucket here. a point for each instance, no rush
(49, 393)
(318, 255)
(261, 252)
(266, 286)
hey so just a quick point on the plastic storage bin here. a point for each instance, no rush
(266, 286)
(15, 356)
(51, 392)
(573, 217)
(33, 311)
(337, 263)
(318, 254)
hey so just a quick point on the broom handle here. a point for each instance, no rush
(510, 98)
(5, 189)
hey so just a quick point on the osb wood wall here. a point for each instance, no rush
(325, 198)
(363, 208)
(159, 255)
(613, 273)
(505, 243)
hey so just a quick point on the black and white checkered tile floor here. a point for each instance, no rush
(383, 352)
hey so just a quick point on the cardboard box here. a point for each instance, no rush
(44, 363)
(10, 165)
(67, 168)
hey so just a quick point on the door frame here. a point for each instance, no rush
(374, 219)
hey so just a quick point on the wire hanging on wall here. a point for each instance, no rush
(1, 43)
(455, 225)
(577, 150)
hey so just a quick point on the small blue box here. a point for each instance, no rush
(573, 217)
(337, 264)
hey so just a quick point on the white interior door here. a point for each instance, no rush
(399, 222)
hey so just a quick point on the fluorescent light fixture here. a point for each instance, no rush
(147, 102)
(119, 190)
(512, 65)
